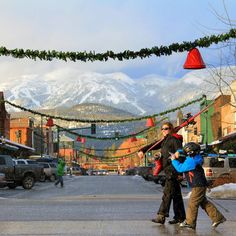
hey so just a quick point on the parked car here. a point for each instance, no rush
(25, 162)
(130, 171)
(91, 172)
(102, 172)
(19, 175)
(49, 170)
(75, 170)
(216, 166)
(47, 159)
(3, 181)
(30, 162)
(145, 171)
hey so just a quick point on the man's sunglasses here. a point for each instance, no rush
(165, 128)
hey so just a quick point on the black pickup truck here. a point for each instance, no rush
(19, 175)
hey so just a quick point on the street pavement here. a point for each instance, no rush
(98, 205)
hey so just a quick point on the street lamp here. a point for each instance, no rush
(206, 120)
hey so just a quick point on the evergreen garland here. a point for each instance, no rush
(106, 121)
(125, 55)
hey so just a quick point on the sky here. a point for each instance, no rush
(117, 25)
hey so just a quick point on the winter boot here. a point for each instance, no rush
(175, 221)
(159, 220)
(215, 224)
(184, 224)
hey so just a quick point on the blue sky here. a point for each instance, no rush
(117, 25)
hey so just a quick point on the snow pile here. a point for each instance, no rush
(137, 177)
(223, 191)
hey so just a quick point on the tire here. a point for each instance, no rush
(42, 178)
(11, 186)
(52, 178)
(28, 182)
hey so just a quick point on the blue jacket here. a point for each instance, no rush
(192, 167)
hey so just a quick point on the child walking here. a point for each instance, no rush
(192, 167)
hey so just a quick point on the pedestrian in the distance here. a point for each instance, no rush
(60, 172)
(192, 167)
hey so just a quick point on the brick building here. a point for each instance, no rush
(21, 131)
(4, 119)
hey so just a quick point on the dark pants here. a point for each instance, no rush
(60, 180)
(171, 191)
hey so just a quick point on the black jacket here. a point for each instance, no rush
(169, 144)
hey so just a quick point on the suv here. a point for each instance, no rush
(24, 162)
(216, 166)
(50, 171)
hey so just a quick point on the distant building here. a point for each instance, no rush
(21, 131)
(4, 119)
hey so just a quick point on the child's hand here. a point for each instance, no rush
(172, 156)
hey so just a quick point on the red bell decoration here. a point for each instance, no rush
(194, 60)
(50, 122)
(133, 139)
(150, 122)
(78, 139)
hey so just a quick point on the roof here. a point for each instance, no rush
(12, 144)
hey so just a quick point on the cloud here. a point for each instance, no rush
(102, 25)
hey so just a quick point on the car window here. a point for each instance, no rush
(52, 165)
(213, 162)
(45, 165)
(232, 162)
(21, 162)
(31, 162)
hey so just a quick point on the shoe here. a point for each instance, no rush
(159, 220)
(215, 224)
(184, 224)
(175, 221)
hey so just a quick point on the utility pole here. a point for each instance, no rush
(41, 140)
(206, 124)
(58, 141)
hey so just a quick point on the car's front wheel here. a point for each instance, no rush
(28, 182)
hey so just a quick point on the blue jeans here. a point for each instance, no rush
(60, 180)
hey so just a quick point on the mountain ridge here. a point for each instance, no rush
(148, 95)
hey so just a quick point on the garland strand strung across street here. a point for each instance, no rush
(119, 149)
(101, 157)
(111, 138)
(127, 54)
(105, 121)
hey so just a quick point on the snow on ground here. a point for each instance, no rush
(222, 191)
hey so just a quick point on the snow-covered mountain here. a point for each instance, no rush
(147, 95)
